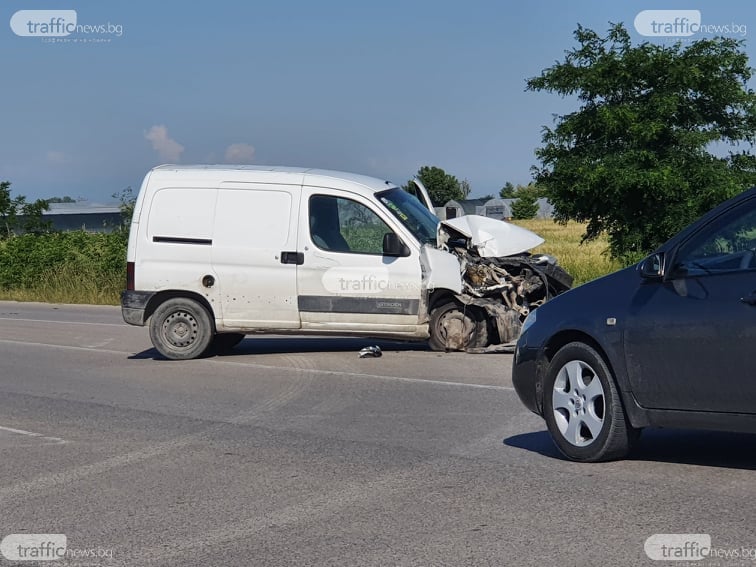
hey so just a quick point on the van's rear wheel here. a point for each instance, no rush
(454, 326)
(180, 329)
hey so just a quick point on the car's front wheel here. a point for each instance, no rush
(583, 408)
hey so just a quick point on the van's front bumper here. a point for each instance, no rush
(134, 305)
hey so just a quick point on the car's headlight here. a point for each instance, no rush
(528, 322)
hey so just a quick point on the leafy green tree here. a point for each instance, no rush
(644, 154)
(525, 206)
(33, 222)
(508, 191)
(8, 210)
(126, 202)
(17, 214)
(441, 186)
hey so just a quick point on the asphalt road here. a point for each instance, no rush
(293, 451)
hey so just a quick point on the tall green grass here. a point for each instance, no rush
(63, 267)
(585, 262)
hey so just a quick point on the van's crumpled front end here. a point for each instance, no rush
(499, 275)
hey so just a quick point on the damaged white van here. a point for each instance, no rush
(219, 252)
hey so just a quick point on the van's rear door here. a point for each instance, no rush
(254, 255)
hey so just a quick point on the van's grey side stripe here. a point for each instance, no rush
(179, 240)
(330, 304)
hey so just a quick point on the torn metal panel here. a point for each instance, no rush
(440, 270)
(490, 238)
(506, 320)
(506, 287)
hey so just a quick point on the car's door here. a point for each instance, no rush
(254, 255)
(690, 340)
(345, 282)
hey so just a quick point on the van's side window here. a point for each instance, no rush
(343, 225)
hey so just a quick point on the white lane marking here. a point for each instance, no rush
(52, 440)
(64, 347)
(124, 325)
(273, 367)
(359, 374)
(55, 479)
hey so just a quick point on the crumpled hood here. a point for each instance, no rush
(491, 238)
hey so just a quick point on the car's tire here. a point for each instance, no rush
(224, 342)
(583, 409)
(181, 329)
(454, 326)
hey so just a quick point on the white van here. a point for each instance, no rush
(218, 252)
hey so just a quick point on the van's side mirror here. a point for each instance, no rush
(393, 246)
(652, 267)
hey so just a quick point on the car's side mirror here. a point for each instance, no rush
(393, 245)
(652, 267)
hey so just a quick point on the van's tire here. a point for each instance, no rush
(224, 342)
(453, 316)
(181, 329)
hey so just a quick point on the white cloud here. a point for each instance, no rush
(56, 158)
(166, 147)
(239, 153)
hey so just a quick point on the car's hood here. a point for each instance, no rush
(491, 238)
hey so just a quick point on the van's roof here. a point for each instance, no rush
(268, 173)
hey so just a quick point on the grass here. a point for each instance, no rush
(70, 284)
(585, 262)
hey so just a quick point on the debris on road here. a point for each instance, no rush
(371, 352)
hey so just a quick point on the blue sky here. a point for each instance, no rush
(379, 88)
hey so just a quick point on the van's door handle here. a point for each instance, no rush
(292, 258)
(749, 299)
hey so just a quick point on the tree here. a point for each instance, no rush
(642, 156)
(508, 191)
(31, 214)
(525, 206)
(441, 186)
(16, 213)
(126, 202)
(464, 187)
(8, 210)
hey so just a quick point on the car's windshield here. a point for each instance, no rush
(411, 213)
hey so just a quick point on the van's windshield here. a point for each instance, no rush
(411, 213)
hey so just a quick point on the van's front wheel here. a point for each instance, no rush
(454, 326)
(180, 329)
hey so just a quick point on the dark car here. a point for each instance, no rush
(670, 342)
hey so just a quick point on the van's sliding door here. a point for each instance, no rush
(254, 255)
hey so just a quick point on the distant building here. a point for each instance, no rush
(83, 215)
(495, 208)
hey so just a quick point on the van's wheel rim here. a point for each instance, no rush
(180, 329)
(455, 321)
(578, 403)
